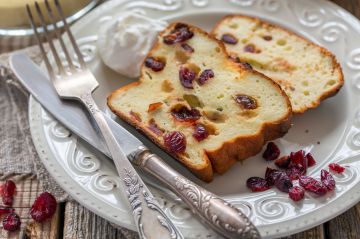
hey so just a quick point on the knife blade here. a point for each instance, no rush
(67, 113)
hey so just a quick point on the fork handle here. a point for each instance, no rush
(150, 220)
(220, 215)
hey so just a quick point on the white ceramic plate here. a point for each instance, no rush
(331, 132)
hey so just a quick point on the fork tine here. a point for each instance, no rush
(43, 52)
(49, 39)
(58, 35)
(71, 37)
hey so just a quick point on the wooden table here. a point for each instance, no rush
(74, 221)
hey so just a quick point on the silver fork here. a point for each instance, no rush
(77, 83)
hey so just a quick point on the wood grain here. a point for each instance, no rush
(28, 188)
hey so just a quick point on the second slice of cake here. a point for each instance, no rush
(307, 72)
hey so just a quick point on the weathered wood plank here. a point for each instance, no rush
(345, 226)
(314, 233)
(81, 223)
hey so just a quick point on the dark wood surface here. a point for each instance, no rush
(74, 221)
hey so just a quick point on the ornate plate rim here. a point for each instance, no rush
(46, 156)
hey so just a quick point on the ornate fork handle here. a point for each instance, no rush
(151, 221)
(212, 210)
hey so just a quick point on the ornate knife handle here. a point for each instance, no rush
(220, 215)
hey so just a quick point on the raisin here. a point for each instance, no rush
(187, 47)
(328, 180)
(155, 128)
(200, 132)
(250, 48)
(296, 193)
(312, 185)
(11, 222)
(283, 182)
(257, 184)
(271, 152)
(183, 114)
(187, 77)
(180, 33)
(154, 64)
(205, 75)
(267, 38)
(229, 39)
(336, 168)
(243, 64)
(283, 162)
(246, 102)
(44, 207)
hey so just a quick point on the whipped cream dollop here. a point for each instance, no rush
(124, 42)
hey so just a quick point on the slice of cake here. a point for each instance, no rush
(307, 72)
(200, 106)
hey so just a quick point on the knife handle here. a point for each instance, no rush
(150, 220)
(220, 215)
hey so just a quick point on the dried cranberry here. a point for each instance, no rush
(298, 158)
(295, 171)
(283, 182)
(187, 77)
(6, 210)
(180, 33)
(175, 142)
(154, 64)
(205, 75)
(336, 168)
(271, 175)
(44, 207)
(8, 190)
(200, 132)
(283, 162)
(310, 160)
(229, 39)
(312, 185)
(257, 184)
(246, 102)
(11, 222)
(296, 193)
(267, 38)
(183, 114)
(187, 47)
(250, 48)
(271, 152)
(328, 180)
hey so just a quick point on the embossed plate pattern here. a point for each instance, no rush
(331, 132)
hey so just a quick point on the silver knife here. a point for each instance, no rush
(221, 216)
